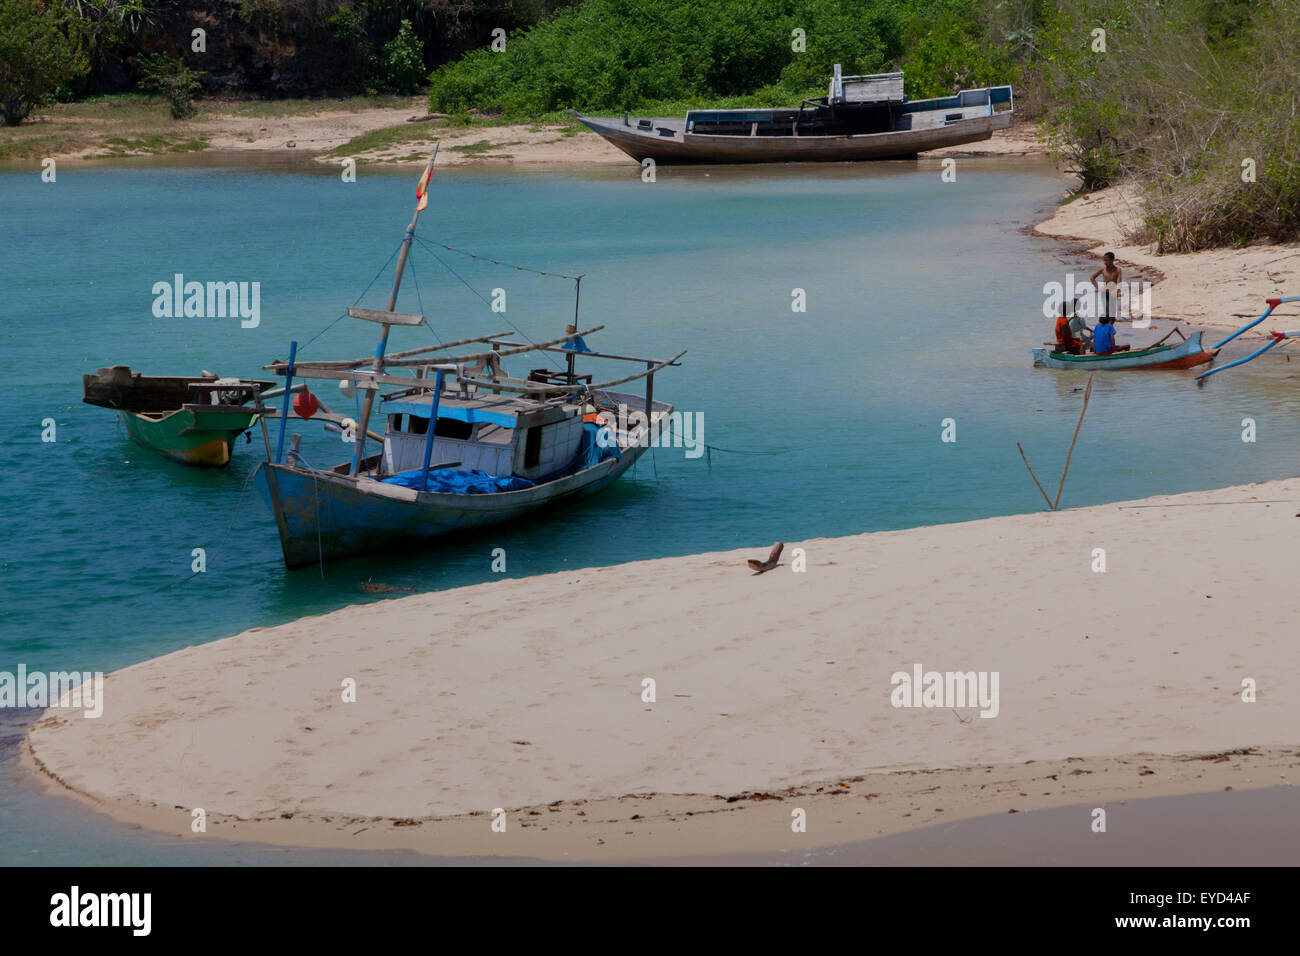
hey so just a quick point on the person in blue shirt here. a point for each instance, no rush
(1103, 337)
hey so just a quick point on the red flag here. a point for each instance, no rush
(421, 190)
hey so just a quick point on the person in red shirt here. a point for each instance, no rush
(1065, 338)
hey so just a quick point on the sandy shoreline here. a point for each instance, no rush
(324, 129)
(1218, 288)
(773, 692)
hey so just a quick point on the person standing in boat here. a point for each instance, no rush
(1103, 337)
(1111, 276)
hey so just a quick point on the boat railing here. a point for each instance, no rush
(998, 99)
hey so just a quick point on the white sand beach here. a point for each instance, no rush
(526, 694)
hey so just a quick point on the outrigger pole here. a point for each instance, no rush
(1278, 337)
(421, 201)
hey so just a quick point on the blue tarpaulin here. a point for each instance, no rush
(589, 450)
(454, 482)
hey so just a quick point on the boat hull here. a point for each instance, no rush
(325, 515)
(1188, 354)
(203, 439)
(699, 148)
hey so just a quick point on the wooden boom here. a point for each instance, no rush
(503, 353)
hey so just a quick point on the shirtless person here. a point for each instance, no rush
(1112, 277)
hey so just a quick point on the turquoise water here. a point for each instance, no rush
(923, 299)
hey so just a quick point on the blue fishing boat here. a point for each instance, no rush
(466, 444)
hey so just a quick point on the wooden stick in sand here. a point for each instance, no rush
(1035, 477)
(1087, 394)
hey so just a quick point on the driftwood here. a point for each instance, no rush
(773, 559)
(377, 588)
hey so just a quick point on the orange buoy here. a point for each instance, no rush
(306, 404)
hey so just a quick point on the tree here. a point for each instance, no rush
(38, 51)
(404, 60)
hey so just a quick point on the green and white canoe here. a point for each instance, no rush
(194, 421)
(1187, 354)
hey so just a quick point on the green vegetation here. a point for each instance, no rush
(176, 81)
(386, 138)
(624, 54)
(404, 60)
(38, 52)
(1194, 101)
(483, 146)
(157, 143)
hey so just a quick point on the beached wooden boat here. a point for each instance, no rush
(466, 444)
(191, 420)
(1186, 354)
(861, 117)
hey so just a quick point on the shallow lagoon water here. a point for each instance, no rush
(923, 299)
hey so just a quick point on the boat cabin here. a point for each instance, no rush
(478, 430)
(854, 105)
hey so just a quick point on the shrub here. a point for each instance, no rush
(176, 81)
(1187, 98)
(404, 60)
(38, 52)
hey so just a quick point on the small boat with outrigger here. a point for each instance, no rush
(1187, 353)
(1276, 338)
(465, 445)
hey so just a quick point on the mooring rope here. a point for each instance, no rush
(233, 515)
(498, 262)
(344, 314)
(547, 355)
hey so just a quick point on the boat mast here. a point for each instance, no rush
(378, 365)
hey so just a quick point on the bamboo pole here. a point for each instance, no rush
(378, 367)
(357, 363)
(502, 353)
(508, 384)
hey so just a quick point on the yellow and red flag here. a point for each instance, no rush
(421, 189)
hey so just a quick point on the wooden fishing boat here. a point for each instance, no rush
(860, 118)
(466, 444)
(1186, 354)
(194, 421)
